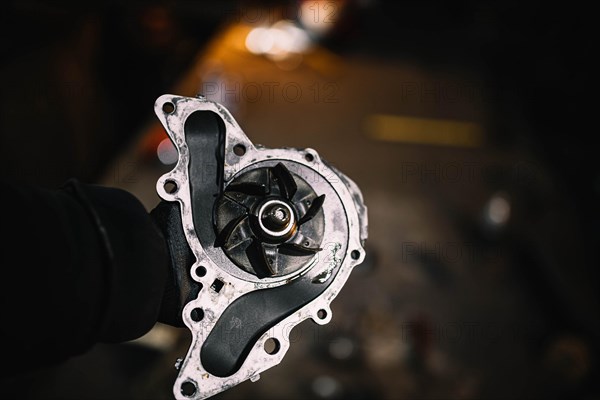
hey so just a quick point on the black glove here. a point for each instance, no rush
(81, 265)
(180, 287)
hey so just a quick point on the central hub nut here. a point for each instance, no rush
(276, 219)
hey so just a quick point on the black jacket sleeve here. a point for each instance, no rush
(80, 265)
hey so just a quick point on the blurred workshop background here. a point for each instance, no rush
(464, 124)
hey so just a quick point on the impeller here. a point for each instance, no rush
(268, 221)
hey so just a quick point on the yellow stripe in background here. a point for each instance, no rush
(428, 131)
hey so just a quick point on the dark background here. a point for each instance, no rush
(451, 302)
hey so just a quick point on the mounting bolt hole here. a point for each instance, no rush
(272, 346)
(239, 150)
(200, 271)
(322, 314)
(171, 187)
(188, 389)
(197, 314)
(168, 107)
(355, 254)
(309, 157)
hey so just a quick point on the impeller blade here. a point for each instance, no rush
(250, 188)
(285, 181)
(313, 209)
(225, 234)
(259, 260)
(295, 249)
